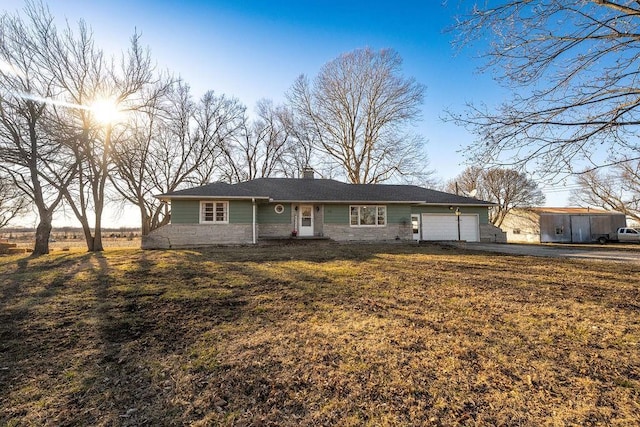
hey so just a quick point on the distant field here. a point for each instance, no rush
(81, 244)
(128, 238)
(320, 334)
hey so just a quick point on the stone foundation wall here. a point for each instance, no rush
(274, 230)
(346, 233)
(193, 235)
(491, 233)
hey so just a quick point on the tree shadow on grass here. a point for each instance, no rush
(146, 319)
(27, 326)
(222, 335)
(157, 331)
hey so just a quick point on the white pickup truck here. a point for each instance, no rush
(623, 234)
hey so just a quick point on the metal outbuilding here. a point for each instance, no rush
(560, 225)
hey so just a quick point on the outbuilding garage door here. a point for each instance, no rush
(445, 227)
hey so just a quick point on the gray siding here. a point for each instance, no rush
(398, 214)
(336, 214)
(268, 215)
(240, 212)
(339, 214)
(577, 228)
(188, 212)
(185, 211)
(330, 220)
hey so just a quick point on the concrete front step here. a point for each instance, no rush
(297, 240)
(7, 248)
(12, 251)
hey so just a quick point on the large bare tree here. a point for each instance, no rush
(508, 188)
(171, 143)
(84, 77)
(38, 164)
(359, 109)
(617, 190)
(300, 148)
(258, 148)
(573, 68)
(51, 119)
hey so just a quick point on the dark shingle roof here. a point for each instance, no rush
(322, 190)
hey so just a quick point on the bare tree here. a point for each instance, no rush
(172, 142)
(299, 151)
(144, 157)
(38, 164)
(468, 183)
(358, 109)
(259, 146)
(573, 68)
(508, 188)
(82, 76)
(13, 202)
(618, 190)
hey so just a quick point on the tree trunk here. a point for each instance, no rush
(145, 222)
(88, 237)
(97, 241)
(43, 232)
(97, 230)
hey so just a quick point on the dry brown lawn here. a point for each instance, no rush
(392, 335)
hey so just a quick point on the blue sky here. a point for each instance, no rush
(256, 49)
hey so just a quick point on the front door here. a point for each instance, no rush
(306, 220)
(415, 225)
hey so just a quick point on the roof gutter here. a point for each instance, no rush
(382, 202)
(485, 204)
(344, 201)
(164, 197)
(254, 199)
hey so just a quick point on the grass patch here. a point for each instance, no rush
(317, 335)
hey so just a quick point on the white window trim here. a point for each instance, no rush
(368, 206)
(226, 209)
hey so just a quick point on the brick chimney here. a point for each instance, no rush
(307, 173)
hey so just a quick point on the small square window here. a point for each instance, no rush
(559, 230)
(516, 231)
(214, 212)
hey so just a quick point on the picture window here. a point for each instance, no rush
(368, 216)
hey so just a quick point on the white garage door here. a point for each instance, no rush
(445, 227)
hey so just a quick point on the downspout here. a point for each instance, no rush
(253, 202)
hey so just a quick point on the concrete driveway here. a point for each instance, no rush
(596, 253)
